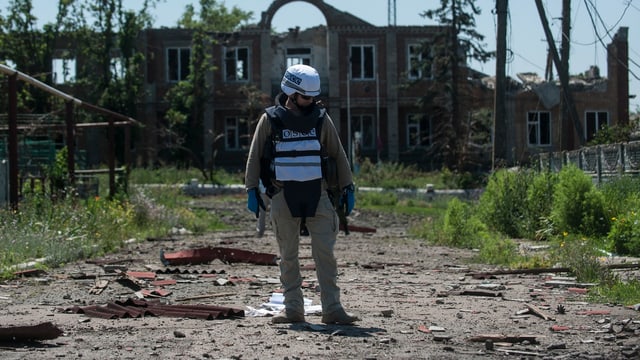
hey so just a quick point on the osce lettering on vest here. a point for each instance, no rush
(290, 134)
(298, 157)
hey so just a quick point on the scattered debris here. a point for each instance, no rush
(484, 275)
(441, 337)
(387, 313)
(226, 255)
(204, 296)
(382, 265)
(29, 273)
(99, 287)
(43, 331)
(538, 312)
(133, 308)
(478, 292)
(519, 352)
(114, 268)
(164, 282)
(143, 275)
(504, 338)
(424, 329)
(594, 312)
(104, 262)
(145, 293)
(131, 282)
(188, 271)
(572, 284)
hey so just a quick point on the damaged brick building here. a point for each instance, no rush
(535, 123)
(368, 75)
(364, 70)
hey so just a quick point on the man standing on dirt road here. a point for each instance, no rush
(290, 143)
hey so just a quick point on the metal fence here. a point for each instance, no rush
(600, 161)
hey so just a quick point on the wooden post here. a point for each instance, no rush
(13, 142)
(111, 158)
(500, 113)
(71, 143)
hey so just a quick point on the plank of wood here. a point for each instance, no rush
(504, 338)
(538, 312)
(204, 296)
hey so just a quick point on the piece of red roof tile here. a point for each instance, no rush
(165, 282)
(139, 308)
(594, 312)
(147, 275)
(226, 255)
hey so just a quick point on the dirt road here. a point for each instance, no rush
(416, 302)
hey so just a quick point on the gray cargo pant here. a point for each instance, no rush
(323, 229)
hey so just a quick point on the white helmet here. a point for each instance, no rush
(302, 79)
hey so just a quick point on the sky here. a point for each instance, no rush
(525, 35)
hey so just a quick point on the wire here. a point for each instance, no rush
(599, 38)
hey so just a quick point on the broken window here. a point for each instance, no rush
(236, 133)
(63, 70)
(365, 126)
(539, 127)
(178, 64)
(418, 62)
(236, 63)
(418, 131)
(362, 62)
(297, 56)
(594, 122)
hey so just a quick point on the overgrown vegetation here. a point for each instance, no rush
(58, 229)
(581, 223)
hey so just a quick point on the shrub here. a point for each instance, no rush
(461, 228)
(624, 235)
(498, 251)
(620, 194)
(577, 205)
(539, 204)
(581, 255)
(503, 203)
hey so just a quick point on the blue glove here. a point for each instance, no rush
(347, 199)
(254, 201)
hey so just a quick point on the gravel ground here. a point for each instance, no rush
(416, 302)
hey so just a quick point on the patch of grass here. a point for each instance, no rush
(172, 175)
(625, 293)
(394, 175)
(69, 229)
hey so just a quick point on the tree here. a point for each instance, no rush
(189, 98)
(100, 33)
(452, 46)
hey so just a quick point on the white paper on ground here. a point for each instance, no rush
(276, 305)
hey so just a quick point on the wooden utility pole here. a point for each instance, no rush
(499, 113)
(564, 77)
(566, 140)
